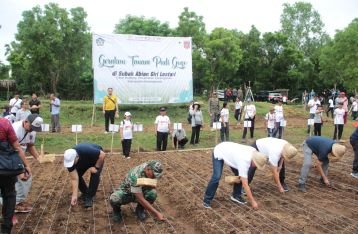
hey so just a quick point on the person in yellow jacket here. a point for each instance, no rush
(110, 108)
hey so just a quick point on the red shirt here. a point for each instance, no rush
(7, 133)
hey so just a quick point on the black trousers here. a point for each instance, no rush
(277, 129)
(317, 129)
(330, 109)
(180, 143)
(195, 134)
(91, 190)
(108, 116)
(252, 128)
(237, 114)
(8, 193)
(126, 146)
(162, 141)
(354, 144)
(224, 132)
(338, 128)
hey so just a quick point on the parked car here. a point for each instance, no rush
(262, 96)
(220, 94)
(274, 97)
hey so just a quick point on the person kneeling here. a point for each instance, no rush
(130, 190)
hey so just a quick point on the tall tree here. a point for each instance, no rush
(339, 58)
(52, 52)
(142, 26)
(4, 71)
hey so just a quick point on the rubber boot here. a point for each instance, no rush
(139, 210)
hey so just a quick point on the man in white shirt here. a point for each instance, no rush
(55, 113)
(224, 119)
(330, 107)
(239, 158)
(162, 125)
(250, 114)
(312, 104)
(23, 112)
(279, 117)
(26, 133)
(126, 132)
(15, 104)
(278, 151)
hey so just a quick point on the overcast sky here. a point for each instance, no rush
(231, 14)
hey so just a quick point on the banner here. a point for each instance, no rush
(142, 69)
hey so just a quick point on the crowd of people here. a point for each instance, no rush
(19, 134)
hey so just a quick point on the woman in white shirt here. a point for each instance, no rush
(250, 113)
(197, 123)
(339, 113)
(270, 122)
(224, 119)
(126, 131)
(238, 106)
(162, 123)
(279, 118)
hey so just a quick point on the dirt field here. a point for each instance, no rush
(180, 193)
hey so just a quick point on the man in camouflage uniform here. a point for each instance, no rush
(213, 108)
(129, 191)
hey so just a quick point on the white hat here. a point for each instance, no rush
(337, 152)
(289, 151)
(127, 114)
(259, 159)
(69, 157)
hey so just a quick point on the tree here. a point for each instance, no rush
(52, 52)
(4, 71)
(339, 58)
(142, 26)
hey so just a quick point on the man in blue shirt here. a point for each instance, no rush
(83, 157)
(55, 113)
(354, 143)
(325, 149)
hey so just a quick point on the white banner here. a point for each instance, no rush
(142, 69)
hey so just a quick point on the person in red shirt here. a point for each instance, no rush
(7, 183)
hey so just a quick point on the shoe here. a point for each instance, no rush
(117, 216)
(139, 210)
(128, 157)
(14, 220)
(105, 132)
(243, 140)
(206, 205)
(88, 202)
(239, 200)
(23, 207)
(82, 197)
(285, 187)
(301, 188)
(354, 174)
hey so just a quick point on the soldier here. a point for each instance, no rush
(325, 149)
(129, 191)
(278, 151)
(213, 108)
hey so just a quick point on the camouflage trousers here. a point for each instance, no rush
(120, 197)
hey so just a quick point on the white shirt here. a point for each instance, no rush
(279, 113)
(163, 123)
(127, 127)
(21, 132)
(235, 155)
(15, 105)
(55, 106)
(272, 147)
(238, 105)
(339, 116)
(271, 119)
(313, 105)
(250, 111)
(355, 105)
(224, 114)
(330, 101)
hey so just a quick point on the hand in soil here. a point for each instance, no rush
(160, 217)
(73, 200)
(281, 189)
(255, 205)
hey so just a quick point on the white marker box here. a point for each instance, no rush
(45, 127)
(247, 124)
(114, 128)
(217, 125)
(310, 121)
(178, 126)
(77, 128)
(271, 125)
(138, 127)
(283, 123)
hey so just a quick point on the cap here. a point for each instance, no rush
(289, 151)
(259, 159)
(35, 121)
(157, 168)
(162, 109)
(127, 114)
(69, 157)
(337, 152)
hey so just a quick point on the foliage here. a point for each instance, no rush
(52, 52)
(4, 71)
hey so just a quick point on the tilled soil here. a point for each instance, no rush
(180, 194)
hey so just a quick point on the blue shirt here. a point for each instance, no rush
(320, 146)
(88, 154)
(354, 136)
(55, 106)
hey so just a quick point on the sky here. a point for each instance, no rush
(230, 14)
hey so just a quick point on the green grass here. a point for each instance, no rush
(80, 112)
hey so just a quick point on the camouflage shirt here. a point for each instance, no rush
(129, 184)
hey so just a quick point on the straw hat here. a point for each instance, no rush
(289, 151)
(259, 159)
(337, 152)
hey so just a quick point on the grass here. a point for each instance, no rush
(80, 112)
